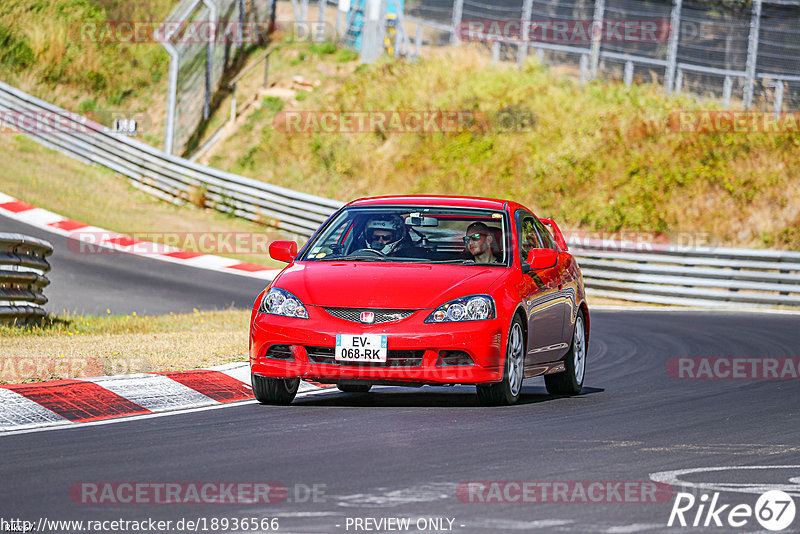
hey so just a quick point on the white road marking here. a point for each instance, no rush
(510, 524)
(384, 497)
(636, 527)
(673, 478)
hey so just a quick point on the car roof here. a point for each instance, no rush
(432, 200)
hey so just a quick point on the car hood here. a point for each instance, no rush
(384, 285)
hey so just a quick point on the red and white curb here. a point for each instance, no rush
(68, 402)
(98, 237)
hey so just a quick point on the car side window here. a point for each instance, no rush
(526, 234)
(547, 237)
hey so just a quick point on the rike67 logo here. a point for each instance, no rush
(734, 496)
(774, 510)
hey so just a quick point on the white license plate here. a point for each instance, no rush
(366, 348)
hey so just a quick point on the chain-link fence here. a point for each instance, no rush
(745, 50)
(203, 39)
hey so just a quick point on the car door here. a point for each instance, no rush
(541, 295)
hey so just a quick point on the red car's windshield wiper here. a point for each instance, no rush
(355, 258)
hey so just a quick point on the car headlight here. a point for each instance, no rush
(280, 302)
(472, 308)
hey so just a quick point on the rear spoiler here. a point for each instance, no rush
(559, 237)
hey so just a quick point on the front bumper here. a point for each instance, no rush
(414, 349)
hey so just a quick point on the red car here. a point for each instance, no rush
(416, 290)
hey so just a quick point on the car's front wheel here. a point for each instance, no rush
(570, 381)
(274, 390)
(508, 391)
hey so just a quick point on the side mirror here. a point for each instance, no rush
(283, 251)
(540, 258)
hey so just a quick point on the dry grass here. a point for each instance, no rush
(93, 195)
(44, 53)
(598, 158)
(73, 346)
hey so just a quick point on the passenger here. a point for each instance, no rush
(480, 243)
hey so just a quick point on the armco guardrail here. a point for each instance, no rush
(169, 177)
(692, 276)
(659, 274)
(23, 266)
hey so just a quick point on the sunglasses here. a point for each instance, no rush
(381, 238)
(473, 237)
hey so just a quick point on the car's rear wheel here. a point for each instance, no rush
(354, 388)
(507, 391)
(570, 381)
(274, 390)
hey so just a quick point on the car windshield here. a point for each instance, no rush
(414, 234)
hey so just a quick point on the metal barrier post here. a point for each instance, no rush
(212, 8)
(458, 10)
(172, 97)
(752, 54)
(628, 76)
(672, 51)
(522, 51)
(727, 89)
(778, 103)
(597, 36)
(583, 68)
(371, 44)
(320, 34)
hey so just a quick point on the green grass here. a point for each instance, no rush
(599, 157)
(42, 39)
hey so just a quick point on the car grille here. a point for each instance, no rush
(381, 316)
(394, 358)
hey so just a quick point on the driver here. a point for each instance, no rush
(387, 234)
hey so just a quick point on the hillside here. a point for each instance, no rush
(604, 157)
(44, 52)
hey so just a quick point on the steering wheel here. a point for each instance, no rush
(367, 251)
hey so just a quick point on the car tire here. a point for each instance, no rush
(507, 391)
(274, 390)
(570, 381)
(354, 388)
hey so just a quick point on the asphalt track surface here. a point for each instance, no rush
(402, 453)
(125, 283)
